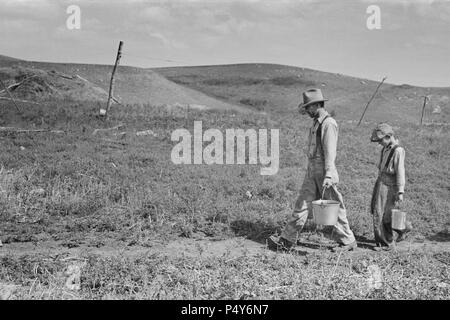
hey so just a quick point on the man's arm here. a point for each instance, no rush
(329, 144)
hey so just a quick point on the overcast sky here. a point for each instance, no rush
(412, 46)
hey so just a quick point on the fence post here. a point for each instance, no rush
(425, 99)
(104, 112)
(373, 96)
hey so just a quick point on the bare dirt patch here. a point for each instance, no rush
(196, 248)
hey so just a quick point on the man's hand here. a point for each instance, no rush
(327, 182)
(399, 197)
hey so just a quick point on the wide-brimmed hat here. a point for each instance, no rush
(312, 96)
(382, 130)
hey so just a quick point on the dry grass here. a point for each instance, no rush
(265, 276)
(84, 190)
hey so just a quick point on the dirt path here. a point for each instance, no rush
(195, 248)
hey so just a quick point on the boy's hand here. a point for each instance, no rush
(400, 197)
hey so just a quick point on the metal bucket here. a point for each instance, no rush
(325, 212)
(398, 220)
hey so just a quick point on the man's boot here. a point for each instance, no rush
(380, 247)
(279, 244)
(347, 247)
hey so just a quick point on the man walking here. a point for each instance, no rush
(321, 173)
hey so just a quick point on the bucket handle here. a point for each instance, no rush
(323, 192)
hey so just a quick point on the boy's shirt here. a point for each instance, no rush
(396, 166)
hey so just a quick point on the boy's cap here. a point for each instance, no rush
(382, 130)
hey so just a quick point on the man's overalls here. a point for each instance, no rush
(322, 145)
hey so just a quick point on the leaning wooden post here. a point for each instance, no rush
(425, 98)
(186, 118)
(104, 112)
(10, 96)
(373, 96)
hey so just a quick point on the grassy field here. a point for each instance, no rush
(83, 191)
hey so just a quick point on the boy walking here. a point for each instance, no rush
(389, 188)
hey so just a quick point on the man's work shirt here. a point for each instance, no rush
(396, 166)
(323, 148)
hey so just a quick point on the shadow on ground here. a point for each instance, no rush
(312, 236)
(259, 231)
(442, 236)
(364, 242)
(255, 231)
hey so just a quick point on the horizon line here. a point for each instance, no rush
(14, 59)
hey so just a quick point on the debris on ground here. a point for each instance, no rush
(121, 135)
(73, 271)
(38, 84)
(116, 128)
(7, 291)
(39, 192)
(375, 279)
(436, 110)
(146, 133)
(20, 130)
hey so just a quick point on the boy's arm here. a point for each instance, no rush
(399, 166)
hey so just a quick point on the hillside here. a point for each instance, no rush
(244, 87)
(91, 83)
(4, 58)
(277, 88)
(240, 87)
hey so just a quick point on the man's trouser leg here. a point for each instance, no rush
(342, 232)
(308, 193)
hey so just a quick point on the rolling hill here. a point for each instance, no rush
(278, 88)
(91, 83)
(5, 59)
(239, 87)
